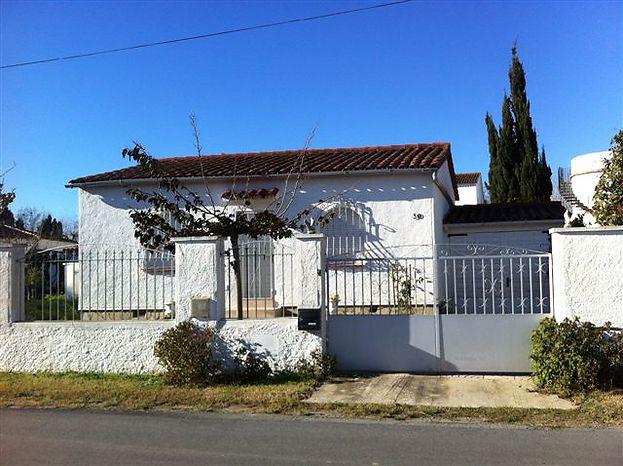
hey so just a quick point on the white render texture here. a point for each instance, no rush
(128, 347)
(11, 283)
(111, 347)
(278, 341)
(588, 274)
(388, 205)
(199, 276)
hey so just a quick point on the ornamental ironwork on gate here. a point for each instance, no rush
(463, 279)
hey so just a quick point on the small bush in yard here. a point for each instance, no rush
(185, 351)
(318, 367)
(574, 356)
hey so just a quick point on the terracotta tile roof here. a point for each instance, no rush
(467, 178)
(516, 212)
(395, 157)
(250, 194)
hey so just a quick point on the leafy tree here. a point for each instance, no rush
(6, 197)
(196, 215)
(516, 171)
(608, 199)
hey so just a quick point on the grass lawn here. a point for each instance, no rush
(282, 396)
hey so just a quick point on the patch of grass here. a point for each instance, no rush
(281, 395)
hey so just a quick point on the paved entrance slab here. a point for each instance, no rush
(473, 391)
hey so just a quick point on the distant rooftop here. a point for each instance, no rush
(467, 178)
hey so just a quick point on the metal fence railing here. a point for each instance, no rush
(267, 281)
(98, 285)
(458, 279)
(381, 286)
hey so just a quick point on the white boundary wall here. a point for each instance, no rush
(127, 346)
(588, 274)
(113, 347)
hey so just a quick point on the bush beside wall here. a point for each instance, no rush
(574, 356)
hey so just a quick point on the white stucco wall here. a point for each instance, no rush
(386, 202)
(277, 340)
(112, 347)
(199, 276)
(11, 283)
(588, 274)
(128, 347)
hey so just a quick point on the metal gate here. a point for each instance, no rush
(459, 308)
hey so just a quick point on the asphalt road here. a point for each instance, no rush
(40, 437)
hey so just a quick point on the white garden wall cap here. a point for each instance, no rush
(308, 236)
(585, 230)
(195, 239)
(97, 324)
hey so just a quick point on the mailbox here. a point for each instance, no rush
(309, 319)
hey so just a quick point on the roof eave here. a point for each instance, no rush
(502, 223)
(126, 181)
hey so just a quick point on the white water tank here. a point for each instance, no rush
(585, 173)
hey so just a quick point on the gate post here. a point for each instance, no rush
(12, 283)
(436, 316)
(311, 257)
(199, 278)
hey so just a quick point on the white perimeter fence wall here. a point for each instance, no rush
(127, 346)
(588, 274)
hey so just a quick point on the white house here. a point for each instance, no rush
(400, 202)
(385, 201)
(470, 188)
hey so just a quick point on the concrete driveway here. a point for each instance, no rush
(473, 391)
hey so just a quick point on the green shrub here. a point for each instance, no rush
(52, 307)
(574, 356)
(185, 351)
(318, 367)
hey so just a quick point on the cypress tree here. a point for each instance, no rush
(518, 167)
(508, 155)
(494, 177)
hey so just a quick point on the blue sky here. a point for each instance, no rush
(420, 72)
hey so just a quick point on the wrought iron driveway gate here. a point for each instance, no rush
(461, 308)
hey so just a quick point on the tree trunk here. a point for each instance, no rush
(235, 246)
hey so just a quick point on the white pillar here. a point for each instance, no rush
(199, 278)
(12, 283)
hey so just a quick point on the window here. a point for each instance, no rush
(345, 232)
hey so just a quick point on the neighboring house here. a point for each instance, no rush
(10, 235)
(470, 188)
